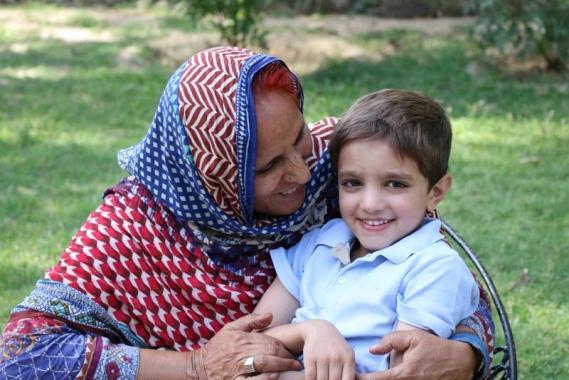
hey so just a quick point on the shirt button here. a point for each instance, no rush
(341, 280)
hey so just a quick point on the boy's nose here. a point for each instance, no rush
(372, 200)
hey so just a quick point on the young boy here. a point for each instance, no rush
(384, 266)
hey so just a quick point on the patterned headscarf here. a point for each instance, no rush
(199, 154)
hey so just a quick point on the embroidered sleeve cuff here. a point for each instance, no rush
(118, 361)
(479, 346)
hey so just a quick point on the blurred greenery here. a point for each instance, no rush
(524, 28)
(239, 22)
(68, 106)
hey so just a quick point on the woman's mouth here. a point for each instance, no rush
(290, 191)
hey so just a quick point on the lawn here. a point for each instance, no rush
(77, 86)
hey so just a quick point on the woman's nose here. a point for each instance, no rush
(297, 170)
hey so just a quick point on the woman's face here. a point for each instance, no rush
(283, 143)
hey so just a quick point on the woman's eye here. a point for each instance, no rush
(267, 168)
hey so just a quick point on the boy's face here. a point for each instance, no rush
(383, 197)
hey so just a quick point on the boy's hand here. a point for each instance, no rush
(327, 355)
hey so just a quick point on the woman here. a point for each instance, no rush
(160, 279)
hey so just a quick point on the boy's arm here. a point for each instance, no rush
(325, 351)
(282, 305)
(278, 301)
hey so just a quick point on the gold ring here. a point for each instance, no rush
(249, 365)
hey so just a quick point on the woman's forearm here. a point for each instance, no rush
(169, 365)
(481, 325)
(223, 357)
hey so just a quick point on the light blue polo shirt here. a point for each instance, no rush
(419, 280)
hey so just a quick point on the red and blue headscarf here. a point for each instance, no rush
(198, 157)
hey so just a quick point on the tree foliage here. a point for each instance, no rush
(238, 21)
(526, 27)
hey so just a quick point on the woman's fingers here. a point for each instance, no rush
(287, 375)
(224, 356)
(271, 363)
(425, 357)
(261, 376)
(268, 367)
(250, 322)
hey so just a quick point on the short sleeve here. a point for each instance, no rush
(438, 294)
(290, 262)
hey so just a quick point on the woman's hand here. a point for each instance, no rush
(425, 356)
(223, 357)
(326, 353)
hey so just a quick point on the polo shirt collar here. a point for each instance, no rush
(339, 234)
(427, 235)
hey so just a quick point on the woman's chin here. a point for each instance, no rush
(288, 203)
(287, 209)
(283, 204)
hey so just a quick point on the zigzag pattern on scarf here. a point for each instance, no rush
(207, 94)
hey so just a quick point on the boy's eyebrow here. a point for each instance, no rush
(398, 174)
(389, 175)
(347, 173)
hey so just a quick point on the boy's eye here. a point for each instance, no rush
(396, 184)
(351, 183)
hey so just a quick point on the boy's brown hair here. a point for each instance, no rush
(413, 125)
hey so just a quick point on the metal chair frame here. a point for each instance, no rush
(506, 368)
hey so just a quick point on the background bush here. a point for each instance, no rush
(239, 22)
(526, 27)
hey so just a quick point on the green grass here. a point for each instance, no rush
(67, 108)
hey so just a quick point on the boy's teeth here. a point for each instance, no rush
(375, 222)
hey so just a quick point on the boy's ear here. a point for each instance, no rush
(438, 192)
